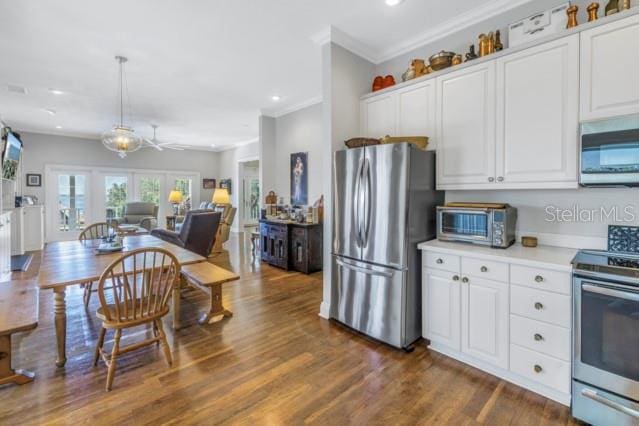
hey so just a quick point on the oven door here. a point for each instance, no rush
(606, 336)
(470, 225)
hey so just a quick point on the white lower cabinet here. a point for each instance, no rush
(483, 311)
(441, 299)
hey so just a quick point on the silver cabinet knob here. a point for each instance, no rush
(465, 280)
(439, 261)
(455, 277)
(539, 306)
(539, 337)
(491, 179)
(538, 368)
(539, 279)
(483, 269)
(500, 179)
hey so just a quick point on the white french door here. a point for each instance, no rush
(251, 197)
(114, 191)
(151, 188)
(68, 203)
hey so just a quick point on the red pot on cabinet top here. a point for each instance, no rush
(389, 81)
(378, 83)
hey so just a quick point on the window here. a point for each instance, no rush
(184, 185)
(116, 195)
(149, 189)
(71, 202)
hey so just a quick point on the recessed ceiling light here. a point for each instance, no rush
(58, 127)
(275, 98)
(393, 2)
(56, 91)
(50, 111)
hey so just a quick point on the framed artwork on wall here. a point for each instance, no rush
(208, 183)
(299, 178)
(226, 183)
(34, 179)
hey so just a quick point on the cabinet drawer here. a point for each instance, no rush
(540, 305)
(541, 337)
(542, 279)
(446, 262)
(544, 369)
(484, 269)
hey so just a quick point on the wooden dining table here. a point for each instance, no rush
(69, 263)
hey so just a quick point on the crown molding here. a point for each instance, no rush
(445, 29)
(235, 145)
(292, 108)
(452, 26)
(333, 34)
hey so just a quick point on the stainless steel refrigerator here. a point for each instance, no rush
(383, 206)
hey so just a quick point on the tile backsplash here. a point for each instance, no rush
(623, 239)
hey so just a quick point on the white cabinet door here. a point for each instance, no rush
(441, 307)
(609, 64)
(484, 328)
(466, 128)
(34, 228)
(537, 115)
(378, 116)
(416, 111)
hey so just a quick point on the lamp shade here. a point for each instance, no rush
(175, 197)
(221, 196)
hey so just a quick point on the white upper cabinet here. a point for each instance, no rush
(378, 116)
(537, 116)
(466, 127)
(416, 111)
(609, 64)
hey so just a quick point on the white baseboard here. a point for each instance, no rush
(325, 309)
(567, 241)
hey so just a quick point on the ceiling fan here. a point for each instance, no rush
(154, 143)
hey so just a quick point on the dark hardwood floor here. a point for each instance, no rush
(274, 362)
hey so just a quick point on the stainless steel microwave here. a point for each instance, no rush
(487, 225)
(610, 152)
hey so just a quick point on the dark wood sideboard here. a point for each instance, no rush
(291, 245)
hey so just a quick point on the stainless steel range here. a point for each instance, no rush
(605, 385)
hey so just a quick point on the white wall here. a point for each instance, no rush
(40, 150)
(299, 131)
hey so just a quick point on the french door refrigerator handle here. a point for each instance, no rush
(386, 274)
(634, 297)
(588, 393)
(358, 190)
(366, 172)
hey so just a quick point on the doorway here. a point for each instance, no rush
(249, 202)
(69, 202)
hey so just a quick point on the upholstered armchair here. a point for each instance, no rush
(197, 233)
(138, 213)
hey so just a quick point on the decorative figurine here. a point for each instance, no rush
(612, 7)
(592, 11)
(491, 42)
(484, 48)
(471, 53)
(420, 67)
(625, 5)
(572, 16)
(409, 74)
(457, 59)
(499, 46)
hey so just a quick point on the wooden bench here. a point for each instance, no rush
(18, 313)
(209, 278)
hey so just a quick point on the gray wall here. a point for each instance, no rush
(460, 41)
(40, 150)
(299, 131)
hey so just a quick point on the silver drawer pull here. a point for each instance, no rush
(538, 368)
(588, 393)
(455, 277)
(539, 306)
(539, 337)
(539, 279)
(483, 269)
(439, 261)
(491, 179)
(465, 280)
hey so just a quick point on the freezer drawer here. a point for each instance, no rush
(370, 299)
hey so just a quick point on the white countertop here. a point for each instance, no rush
(558, 258)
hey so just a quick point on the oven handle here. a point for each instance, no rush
(634, 297)
(589, 393)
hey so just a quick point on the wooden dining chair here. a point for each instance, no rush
(141, 283)
(94, 231)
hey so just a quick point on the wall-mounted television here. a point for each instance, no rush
(11, 156)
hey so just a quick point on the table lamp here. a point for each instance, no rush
(221, 196)
(175, 198)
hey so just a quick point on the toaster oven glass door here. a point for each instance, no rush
(465, 225)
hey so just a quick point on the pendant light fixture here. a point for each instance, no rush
(121, 139)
